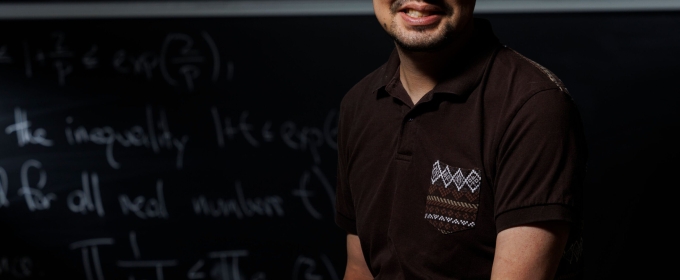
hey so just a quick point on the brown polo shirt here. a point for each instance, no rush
(426, 187)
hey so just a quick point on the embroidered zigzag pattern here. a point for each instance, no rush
(449, 220)
(452, 209)
(472, 180)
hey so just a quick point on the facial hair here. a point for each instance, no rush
(425, 40)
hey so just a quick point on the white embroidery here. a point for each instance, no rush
(473, 180)
(446, 176)
(449, 220)
(436, 172)
(459, 180)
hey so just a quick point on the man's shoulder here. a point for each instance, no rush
(520, 74)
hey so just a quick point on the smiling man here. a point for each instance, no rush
(459, 158)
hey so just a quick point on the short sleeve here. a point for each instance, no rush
(345, 216)
(541, 163)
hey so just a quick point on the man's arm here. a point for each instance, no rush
(531, 251)
(356, 264)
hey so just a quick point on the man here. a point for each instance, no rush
(458, 158)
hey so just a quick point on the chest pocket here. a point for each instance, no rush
(453, 198)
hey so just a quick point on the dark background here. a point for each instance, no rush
(290, 73)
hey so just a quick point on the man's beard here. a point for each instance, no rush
(421, 42)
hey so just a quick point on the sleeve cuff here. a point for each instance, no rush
(345, 223)
(532, 214)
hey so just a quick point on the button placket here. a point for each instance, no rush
(406, 136)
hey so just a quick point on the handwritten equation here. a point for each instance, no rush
(180, 60)
(219, 265)
(294, 136)
(154, 132)
(225, 263)
(88, 198)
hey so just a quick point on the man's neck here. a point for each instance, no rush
(420, 72)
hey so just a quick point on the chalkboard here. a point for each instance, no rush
(204, 148)
(175, 148)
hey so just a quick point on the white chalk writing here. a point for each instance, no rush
(134, 246)
(305, 194)
(157, 265)
(4, 188)
(228, 268)
(195, 270)
(17, 267)
(4, 56)
(241, 207)
(142, 64)
(138, 263)
(224, 264)
(294, 136)
(87, 199)
(156, 136)
(91, 246)
(35, 199)
(182, 59)
(22, 128)
(145, 208)
(306, 268)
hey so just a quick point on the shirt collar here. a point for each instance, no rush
(464, 76)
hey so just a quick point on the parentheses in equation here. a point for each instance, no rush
(4, 202)
(304, 195)
(308, 272)
(215, 53)
(326, 184)
(329, 266)
(4, 56)
(164, 54)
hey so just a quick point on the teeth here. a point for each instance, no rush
(416, 14)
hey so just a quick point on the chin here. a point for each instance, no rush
(421, 40)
